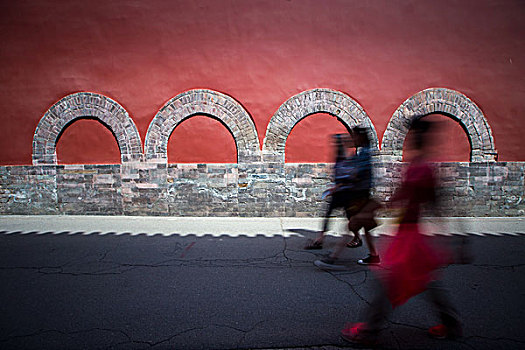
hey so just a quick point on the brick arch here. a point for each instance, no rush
(85, 105)
(450, 103)
(306, 103)
(210, 103)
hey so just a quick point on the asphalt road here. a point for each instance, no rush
(176, 283)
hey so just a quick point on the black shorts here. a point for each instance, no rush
(361, 214)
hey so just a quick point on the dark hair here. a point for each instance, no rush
(360, 135)
(340, 150)
(420, 128)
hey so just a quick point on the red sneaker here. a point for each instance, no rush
(439, 332)
(442, 332)
(356, 333)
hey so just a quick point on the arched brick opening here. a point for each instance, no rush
(87, 140)
(448, 141)
(85, 105)
(306, 103)
(450, 103)
(201, 139)
(202, 102)
(310, 140)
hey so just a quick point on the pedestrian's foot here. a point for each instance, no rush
(313, 244)
(357, 334)
(354, 243)
(369, 260)
(444, 332)
(329, 264)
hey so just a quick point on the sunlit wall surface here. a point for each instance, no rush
(143, 53)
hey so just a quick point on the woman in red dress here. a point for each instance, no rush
(409, 265)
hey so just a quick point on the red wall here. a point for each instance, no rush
(142, 53)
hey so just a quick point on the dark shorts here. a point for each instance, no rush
(361, 214)
(341, 199)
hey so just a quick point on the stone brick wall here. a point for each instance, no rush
(469, 189)
(260, 183)
(28, 190)
(88, 189)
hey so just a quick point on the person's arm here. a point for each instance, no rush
(345, 174)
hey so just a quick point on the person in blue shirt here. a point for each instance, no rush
(353, 183)
(338, 195)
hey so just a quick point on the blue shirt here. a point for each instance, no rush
(355, 173)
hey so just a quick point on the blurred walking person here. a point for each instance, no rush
(354, 182)
(338, 196)
(409, 264)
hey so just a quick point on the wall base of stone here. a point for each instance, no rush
(256, 189)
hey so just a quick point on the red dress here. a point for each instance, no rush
(410, 261)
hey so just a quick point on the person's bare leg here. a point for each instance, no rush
(320, 238)
(373, 257)
(326, 222)
(370, 243)
(341, 245)
(354, 227)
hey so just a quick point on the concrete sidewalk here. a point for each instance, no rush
(237, 226)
